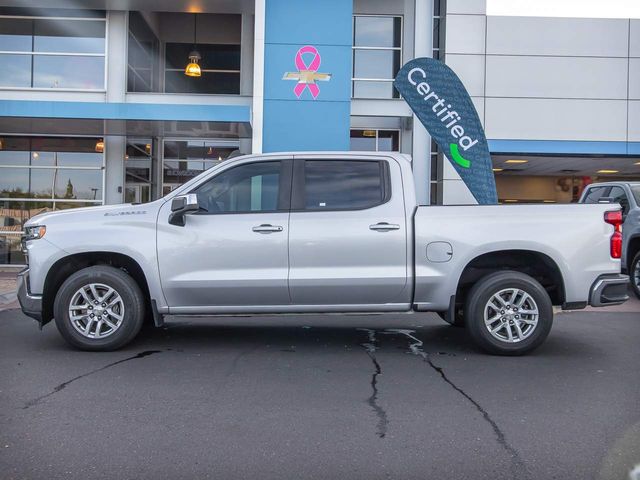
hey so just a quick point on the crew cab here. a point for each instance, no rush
(627, 195)
(318, 233)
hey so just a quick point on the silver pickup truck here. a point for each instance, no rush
(318, 233)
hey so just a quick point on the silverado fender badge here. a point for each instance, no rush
(129, 212)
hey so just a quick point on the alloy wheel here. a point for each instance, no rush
(511, 315)
(96, 310)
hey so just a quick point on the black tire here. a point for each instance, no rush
(634, 274)
(132, 300)
(478, 299)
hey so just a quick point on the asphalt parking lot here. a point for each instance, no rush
(392, 396)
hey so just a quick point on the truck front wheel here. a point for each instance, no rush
(99, 308)
(508, 313)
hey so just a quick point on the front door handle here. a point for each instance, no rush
(267, 228)
(384, 227)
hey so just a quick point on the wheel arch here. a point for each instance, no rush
(533, 263)
(70, 264)
(633, 247)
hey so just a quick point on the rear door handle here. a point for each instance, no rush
(384, 227)
(267, 228)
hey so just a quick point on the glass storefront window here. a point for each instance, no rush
(16, 71)
(144, 56)
(372, 140)
(377, 55)
(55, 52)
(185, 159)
(59, 71)
(77, 36)
(377, 31)
(219, 62)
(220, 69)
(43, 174)
(15, 35)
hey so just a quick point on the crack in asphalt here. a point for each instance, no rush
(518, 467)
(64, 385)
(371, 347)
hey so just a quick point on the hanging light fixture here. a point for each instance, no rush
(100, 146)
(193, 68)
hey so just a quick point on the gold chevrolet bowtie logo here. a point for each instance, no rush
(307, 76)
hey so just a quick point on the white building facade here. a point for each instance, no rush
(95, 106)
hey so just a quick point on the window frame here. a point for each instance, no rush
(284, 187)
(33, 54)
(354, 48)
(298, 187)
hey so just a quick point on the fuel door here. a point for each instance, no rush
(439, 252)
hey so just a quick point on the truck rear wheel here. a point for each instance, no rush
(99, 308)
(508, 313)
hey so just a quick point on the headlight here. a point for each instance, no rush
(35, 232)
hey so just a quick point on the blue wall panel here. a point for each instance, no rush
(316, 22)
(302, 122)
(311, 128)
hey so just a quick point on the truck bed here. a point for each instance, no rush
(447, 238)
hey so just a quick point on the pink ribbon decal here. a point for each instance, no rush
(307, 75)
(312, 67)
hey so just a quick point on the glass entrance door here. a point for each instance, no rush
(140, 164)
(185, 159)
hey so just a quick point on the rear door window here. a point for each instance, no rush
(342, 185)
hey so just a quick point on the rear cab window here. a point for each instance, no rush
(595, 193)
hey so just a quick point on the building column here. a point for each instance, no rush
(421, 151)
(114, 146)
(258, 76)
(307, 52)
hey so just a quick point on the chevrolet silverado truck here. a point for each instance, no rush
(318, 233)
(627, 194)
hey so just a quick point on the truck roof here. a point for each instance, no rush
(333, 154)
(614, 182)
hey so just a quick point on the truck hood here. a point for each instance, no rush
(98, 214)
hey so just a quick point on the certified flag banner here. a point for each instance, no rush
(438, 98)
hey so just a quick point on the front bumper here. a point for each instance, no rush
(610, 289)
(31, 305)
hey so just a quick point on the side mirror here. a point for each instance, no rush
(605, 200)
(180, 206)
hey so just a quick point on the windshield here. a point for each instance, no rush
(635, 189)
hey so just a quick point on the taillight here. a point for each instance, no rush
(615, 219)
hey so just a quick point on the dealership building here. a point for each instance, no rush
(103, 106)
